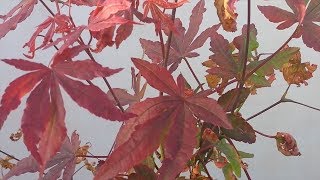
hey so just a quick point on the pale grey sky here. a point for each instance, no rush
(268, 163)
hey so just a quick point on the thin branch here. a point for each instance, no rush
(282, 99)
(10, 155)
(205, 168)
(89, 156)
(302, 104)
(48, 9)
(166, 57)
(264, 110)
(245, 58)
(78, 170)
(194, 74)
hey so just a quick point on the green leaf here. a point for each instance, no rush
(259, 81)
(228, 172)
(231, 155)
(245, 155)
(242, 130)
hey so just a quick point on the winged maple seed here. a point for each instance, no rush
(43, 121)
(169, 119)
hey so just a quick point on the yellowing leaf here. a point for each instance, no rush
(227, 14)
(212, 80)
(295, 72)
(5, 163)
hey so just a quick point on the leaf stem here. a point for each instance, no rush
(166, 57)
(265, 135)
(194, 74)
(10, 155)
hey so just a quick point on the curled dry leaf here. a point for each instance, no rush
(227, 15)
(16, 136)
(295, 72)
(5, 163)
(287, 145)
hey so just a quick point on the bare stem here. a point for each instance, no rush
(302, 104)
(264, 110)
(194, 74)
(48, 9)
(282, 99)
(10, 155)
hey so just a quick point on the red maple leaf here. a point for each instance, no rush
(43, 121)
(169, 120)
(57, 24)
(64, 160)
(158, 16)
(307, 17)
(184, 42)
(16, 15)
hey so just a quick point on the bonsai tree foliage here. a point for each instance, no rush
(179, 132)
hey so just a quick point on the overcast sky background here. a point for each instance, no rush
(268, 163)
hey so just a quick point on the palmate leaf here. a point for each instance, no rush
(43, 121)
(16, 15)
(64, 160)
(169, 120)
(307, 17)
(183, 43)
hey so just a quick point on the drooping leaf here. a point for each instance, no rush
(226, 13)
(16, 15)
(57, 24)
(286, 144)
(228, 172)
(242, 130)
(68, 39)
(177, 130)
(104, 16)
(231, 155)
